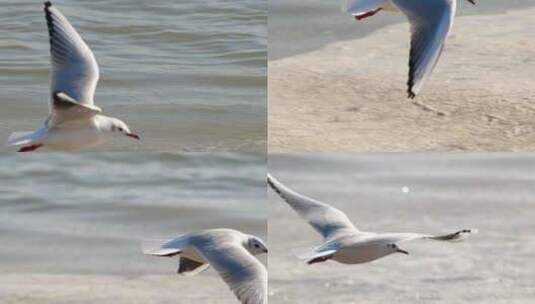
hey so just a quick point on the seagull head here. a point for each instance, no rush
(394, 248)
(117, 126)
(255, 245)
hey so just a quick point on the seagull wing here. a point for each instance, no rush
(403, 237)
(326, 220)
(242, 272)
(431, 22)
(74, 68)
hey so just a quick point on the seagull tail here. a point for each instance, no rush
(305, 253)
(20, 138)
(153, 247)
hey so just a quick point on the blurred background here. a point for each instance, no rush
(72, 226)
(186, 75)
(427, 193)
(315, 23)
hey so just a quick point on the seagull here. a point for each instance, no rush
(343, 242)
(74, 121)
(431, 22)
(230, 252)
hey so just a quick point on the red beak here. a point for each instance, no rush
(133, 136)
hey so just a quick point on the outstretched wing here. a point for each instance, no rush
(431, 23)
(403, 237)
(74, 68)
(242, 272)
(328, 221)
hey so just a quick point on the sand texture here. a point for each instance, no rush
(81, 289)
(351, 95)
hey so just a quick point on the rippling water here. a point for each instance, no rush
(492, 192)
(315, 23)
(187, 75)
(100, 208)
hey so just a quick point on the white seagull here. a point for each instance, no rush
(74, 122)
(431, 22)
(230, 252)
(343, 242)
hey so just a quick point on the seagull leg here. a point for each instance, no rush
(367, 14)
(30, 148)
(320, 259)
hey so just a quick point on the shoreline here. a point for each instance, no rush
(337, 99)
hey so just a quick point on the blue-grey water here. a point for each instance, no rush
(186, 75)
(494, 193)
(91, 213)
(297, 27)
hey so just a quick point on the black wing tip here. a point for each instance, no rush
(49, 21)
(272, 185)
(411, 94)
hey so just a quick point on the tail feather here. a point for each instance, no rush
(311, 253)
(20, 138)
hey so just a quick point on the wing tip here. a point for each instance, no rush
(48, 17)
(272, 183)
(456, 236)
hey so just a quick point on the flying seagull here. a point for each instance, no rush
(343, 242)
(431, 22)
(74, 121)
(230, 252)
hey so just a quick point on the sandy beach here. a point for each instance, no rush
(60, 289)
(350, 95)
(493, 193)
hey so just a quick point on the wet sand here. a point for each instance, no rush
(58, 289)
(350, 95)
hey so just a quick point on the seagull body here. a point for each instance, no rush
(343, 242)
(230, 252)
(431, 22)
(74, 121)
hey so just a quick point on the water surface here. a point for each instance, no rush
(57, 210)
(297, 27)
(186, 75)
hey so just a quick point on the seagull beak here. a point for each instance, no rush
(403, 251)
(472, 1)
(133, 135)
